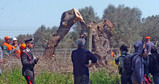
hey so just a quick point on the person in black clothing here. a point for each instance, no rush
(28, 62)
(154, 64)
(125, 77)
(80, 59)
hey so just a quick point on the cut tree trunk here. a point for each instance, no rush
(67, 20)
(98, 38)
(101, 34)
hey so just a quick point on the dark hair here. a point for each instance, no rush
(124, 48)
(143, 51)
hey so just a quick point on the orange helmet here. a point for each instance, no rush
(147, 37)
(22, 46)
(7, 37)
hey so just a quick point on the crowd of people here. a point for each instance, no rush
(9, 48)
(136, 68)
(80, 59)
(23, 52)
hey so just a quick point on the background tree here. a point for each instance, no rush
(42, 35)
(126, 22)
(150, 27)
(89, 14)
(128, 27)
(23, 37)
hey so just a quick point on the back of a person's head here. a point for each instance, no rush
(124, 48)
(138, 46)
(153, 49)
(80, 42)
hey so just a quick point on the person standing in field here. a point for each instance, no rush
(123, 65)
(111, 53)
(28, 61)
(7, 47)
(148, 44)
(137, 76)
(16, 47)
(80, 59)
(154, 64)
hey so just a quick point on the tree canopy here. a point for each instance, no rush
(129, 26)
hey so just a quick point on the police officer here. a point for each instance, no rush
(28, 62)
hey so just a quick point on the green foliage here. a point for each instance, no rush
(88, 14)
(99, 77)
(54, 78)
(42, 36)
(21, 37)
(128, 25)
(12, 77)
(126, 22)
(103, 77)
(68, 41)
(150, 27)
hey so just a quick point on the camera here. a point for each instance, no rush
(117, 60)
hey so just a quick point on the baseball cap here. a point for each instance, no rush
(7, 37)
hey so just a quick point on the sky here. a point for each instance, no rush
(25, 16)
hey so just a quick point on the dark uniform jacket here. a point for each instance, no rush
(27, 60)
(81, 57)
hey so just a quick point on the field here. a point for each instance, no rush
(14, 76)
(56, 71)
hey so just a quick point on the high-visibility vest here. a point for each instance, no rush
(18, 53)
(112, 54)
(9, 46)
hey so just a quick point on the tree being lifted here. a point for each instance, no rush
(97, 39)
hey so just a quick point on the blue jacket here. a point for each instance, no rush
(80, 57)
(138, 63)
